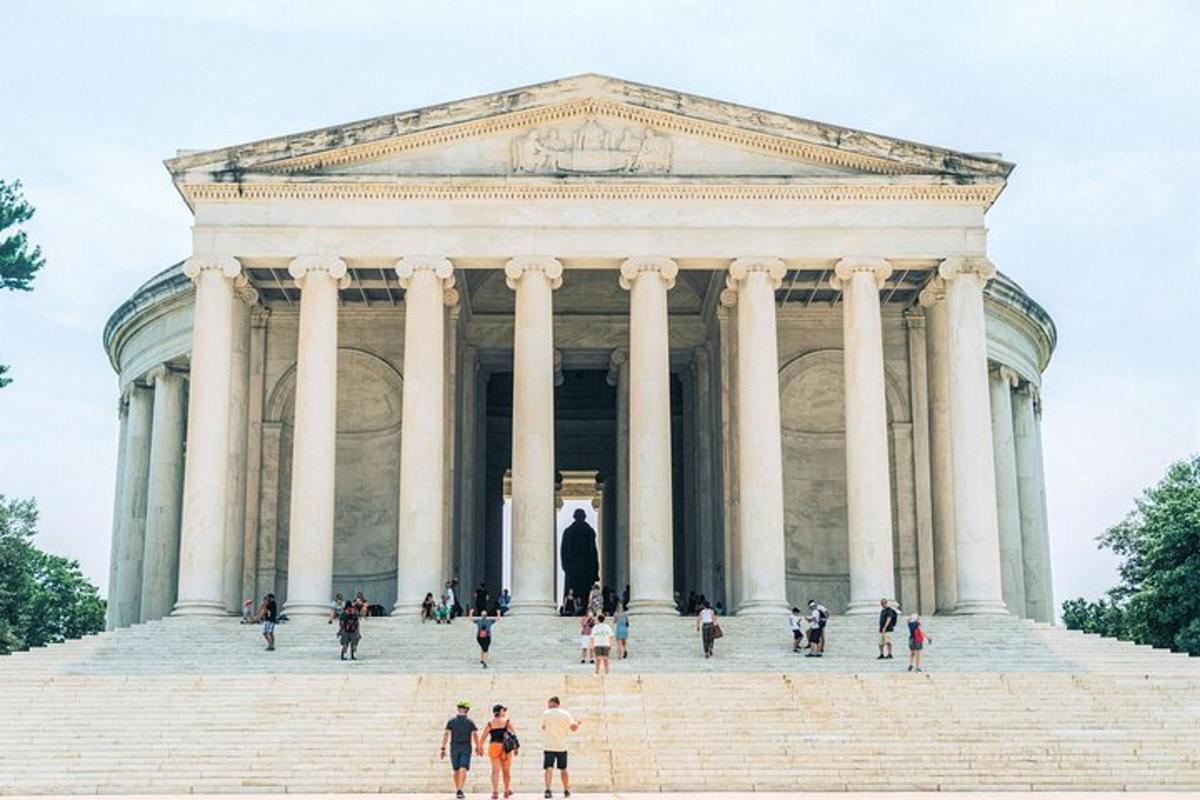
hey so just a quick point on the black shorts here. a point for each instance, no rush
(797, 634)
(460, 756)
(484, 642)
(554, 759)
(814, 634)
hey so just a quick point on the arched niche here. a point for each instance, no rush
(366, 516)
(812, 410)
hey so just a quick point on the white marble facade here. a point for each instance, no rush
(780, 344)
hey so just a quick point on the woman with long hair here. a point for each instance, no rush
(497, 730)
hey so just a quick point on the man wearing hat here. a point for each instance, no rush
(463, 736)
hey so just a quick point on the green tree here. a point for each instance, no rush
(44, 598)
(18, 261)
(1158, 599)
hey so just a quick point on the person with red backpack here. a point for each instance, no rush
(917, 639)
(348, 629)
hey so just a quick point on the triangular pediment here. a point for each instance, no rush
(590, 126)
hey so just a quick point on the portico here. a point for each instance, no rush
(747, 290)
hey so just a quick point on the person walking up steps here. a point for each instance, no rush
(269, 615)
(463, 737)
(706, 623)
(585, 638)
(503, 746)
(348, 630)
(602, 636)
(483, 636)
(887, 624)
(917, 639)
(557, 722)
(623, 633)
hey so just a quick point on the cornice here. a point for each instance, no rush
(593, 107)
(582, 95)
(979, 194)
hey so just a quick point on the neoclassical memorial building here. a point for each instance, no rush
(776, 350)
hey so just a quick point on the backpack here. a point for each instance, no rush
(350, 623)
(511, 743)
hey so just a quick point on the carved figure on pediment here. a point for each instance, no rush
(529, 154)
(591, 137)
(654, 154)
(558, 149)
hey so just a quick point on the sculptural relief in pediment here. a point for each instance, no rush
(591, 147)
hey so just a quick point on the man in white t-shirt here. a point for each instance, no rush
(602, 636)
(556, 724)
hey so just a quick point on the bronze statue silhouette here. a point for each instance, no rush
(579, 559)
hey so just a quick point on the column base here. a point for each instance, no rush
(198, 608)
(862, 608)
(763, 608)
(662, 608)
(973, 607)
(307, 609)
(402, 610)
(532, 609)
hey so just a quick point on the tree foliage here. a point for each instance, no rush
(19, 262)
(44, 598)
(1158, 599)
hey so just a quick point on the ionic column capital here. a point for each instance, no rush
(616, 359)
(244, 292)
(1006, 374)
(156, 374)
(228, 266)
(440, 266)
(1031, 390)
(979, 266)
(516, 268)
(666, 268)
(879, 268)
(933, 293)
(331, 265)
(741, 269)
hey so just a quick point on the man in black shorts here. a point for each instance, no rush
(463, 737)
(557, 722)
(817, 617)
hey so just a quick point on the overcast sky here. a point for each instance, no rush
(1097, 103)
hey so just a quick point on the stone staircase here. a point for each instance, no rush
(190, 706)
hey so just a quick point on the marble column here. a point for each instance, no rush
(116, 543)
(727, 350)
(205, 478)
(255, 477)
(421, 549)
(164, 496)
(618, 377)
(651, 532)
(976, 534)
(314, 440)
(239, 418)
(1035, 540)
(868, 475)
(918, 365)
(128, 594)
(762, 551)
(941, 468)
(534, 279)
(704, 471)
(1002, 381)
